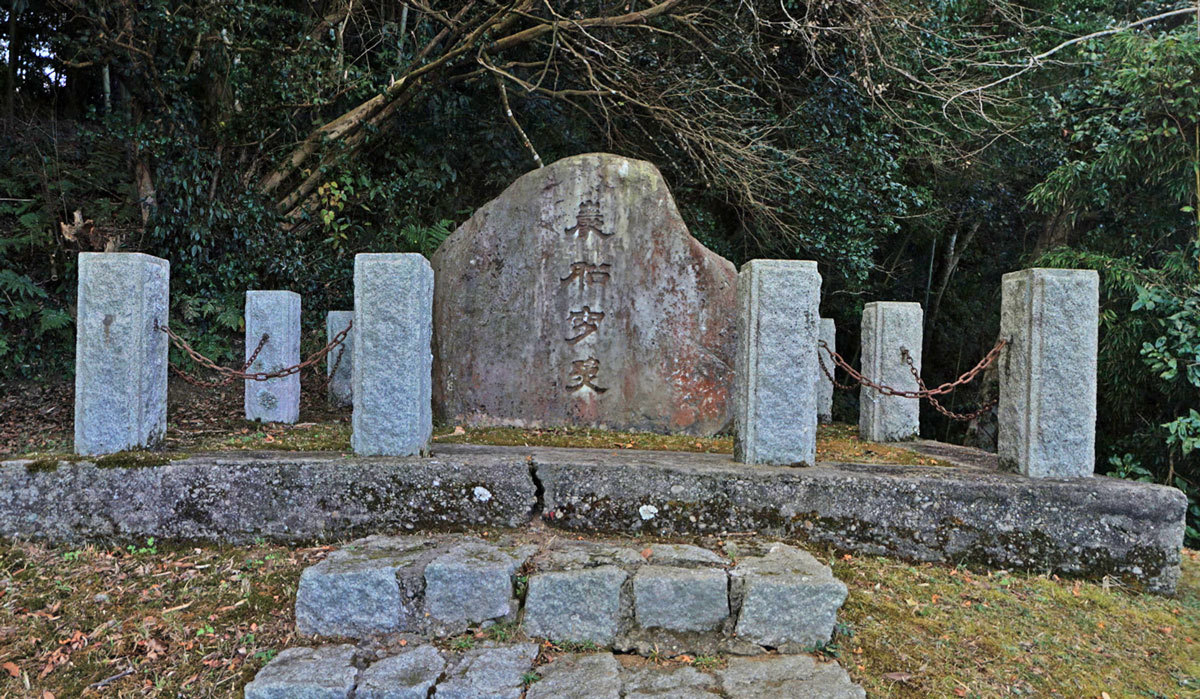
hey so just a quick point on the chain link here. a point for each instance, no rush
(924, 391)
(961, 417)
(230, 375)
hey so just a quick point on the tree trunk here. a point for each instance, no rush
(953, 255)
(14, 50)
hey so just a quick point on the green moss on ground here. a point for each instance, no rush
(834, 442)
(930, 630)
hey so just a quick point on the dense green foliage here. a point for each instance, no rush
(916, 150)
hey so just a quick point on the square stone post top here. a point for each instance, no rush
(120, 358)
(775, 404)
(827, 331)
(1047, 409)
(276, 313)
(887, 328)
(393, 356)
(339, 362)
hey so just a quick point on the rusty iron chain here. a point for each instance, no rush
(923, 390)
(829, 374)
(961, 417)
(228, 375)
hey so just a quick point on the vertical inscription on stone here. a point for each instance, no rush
(577, 297)
(585, 320)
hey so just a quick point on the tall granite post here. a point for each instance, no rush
(276, 313)
(120, 358)
(888, 327)
(340, 360)
(1047, 409)
(775, 402)
(393, 360)
(826, 332)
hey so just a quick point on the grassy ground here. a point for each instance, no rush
(201, 621)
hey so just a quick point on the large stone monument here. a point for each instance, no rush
(1047, 409)
(578, 297)
(275, 314)
(120, 355)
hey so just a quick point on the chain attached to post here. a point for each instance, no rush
(230, 375)
(924, 391)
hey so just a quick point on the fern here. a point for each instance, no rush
(20, 285)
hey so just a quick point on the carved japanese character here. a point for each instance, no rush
(584, 322)
(589, 220)
(588, 273)
(583, 373)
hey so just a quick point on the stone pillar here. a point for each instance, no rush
(887, 328)
(276, 313)
(120, 358)
(775, 402)
(827, 332)
(393, 360)
(1047, 409)
(340, 360)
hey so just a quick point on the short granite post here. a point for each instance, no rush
(277, 314)
(888, 328)
(775, 402)
(827, 333)
(340, 360)
(120, 356)
(1047, 409)
(393, 359)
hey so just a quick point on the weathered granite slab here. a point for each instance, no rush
(472, 583)
(608, 312)
(888, 328)
(680, 599)
(788, 599)
(827, 333)
(496, 673)
(409, 675)
(787, 676)
(371, 586)
(1047, 408)
(775, 400)
(575, 605)
(1088, 528)
(275, 314)
(594, 676)
(325, 672)
(339, 363)
(279, 496)
(669, 682)
(390, 379)
(120, 355)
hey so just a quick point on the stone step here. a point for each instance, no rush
(509, 672)
(644, 598)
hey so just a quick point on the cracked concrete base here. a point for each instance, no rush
(972, 512)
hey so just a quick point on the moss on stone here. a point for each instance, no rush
(41, 465)
(133, 459)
